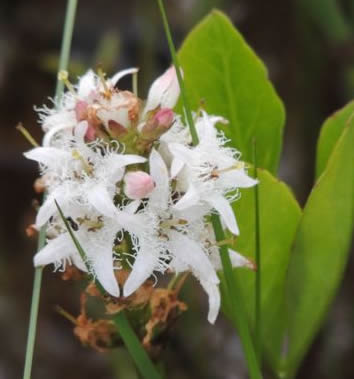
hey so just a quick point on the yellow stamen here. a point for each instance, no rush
(170, 223)
(78, 156)
(66, 314)
(63, 76)
(27, 135)
(135, 83)
(236, 166)
(229, 241)
(102, 75)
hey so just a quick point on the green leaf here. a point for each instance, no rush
(224, 72)
(279, 215)
(321, 249)
(330, 132)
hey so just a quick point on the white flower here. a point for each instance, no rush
(81, 174)
(210, 173)
(96, 235)
(164, 91)
(96, 101)
(183, 241)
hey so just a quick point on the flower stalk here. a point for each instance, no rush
(258, 328)
(131, 341)
(63, 64)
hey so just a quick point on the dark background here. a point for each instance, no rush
(307, 46)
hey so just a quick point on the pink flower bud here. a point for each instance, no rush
(81, 110)
(164, 118)
(138, 184)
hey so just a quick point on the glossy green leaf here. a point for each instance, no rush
(223, 72)
(279, 216)
(321, 248)
(330, 132)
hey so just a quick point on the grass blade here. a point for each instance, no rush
(236, 302)
(193, 131)
(64, 59)
(258, 321)
(131, 341)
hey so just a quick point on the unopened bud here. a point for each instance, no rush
(138, 184)
(164, 118)
(158, 124)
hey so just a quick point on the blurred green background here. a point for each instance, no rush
(308, 47)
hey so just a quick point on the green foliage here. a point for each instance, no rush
(330, 132)
(322, 242)
(279, 217)
(223, 72)
(303, 253)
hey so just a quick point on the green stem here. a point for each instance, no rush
(33, 321)
(131, 341)
(187, 108)
(31, 338)
(66, 43)
(258, 328)
(236, 302)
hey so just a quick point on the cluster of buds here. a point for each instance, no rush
(137, 193)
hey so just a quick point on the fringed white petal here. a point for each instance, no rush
(102, 264)
(132, 207)
(237, 260)
(213, 293)
(56, 250)
(87, 84)
(189, 199)
(144, 265)
(48, 156)
(119, 75)
(78, 262)
(47, 139)
(206, 127)
(80, 131)
(100, 199)
(164, 91)
(192, 254)
(49, 208)
(226, 212)
(237, 178)
(132, 223)
(115, 164)
(159, 197)
(176, 167)
(182, 153)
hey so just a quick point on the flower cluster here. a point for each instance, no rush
(137, 193)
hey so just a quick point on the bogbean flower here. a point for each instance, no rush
(137, 194)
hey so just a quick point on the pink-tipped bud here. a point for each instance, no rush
(81, 110)
(138, 184)
(164, 118)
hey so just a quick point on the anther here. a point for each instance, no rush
(63, 76)
(102, 75)
(78, 156)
